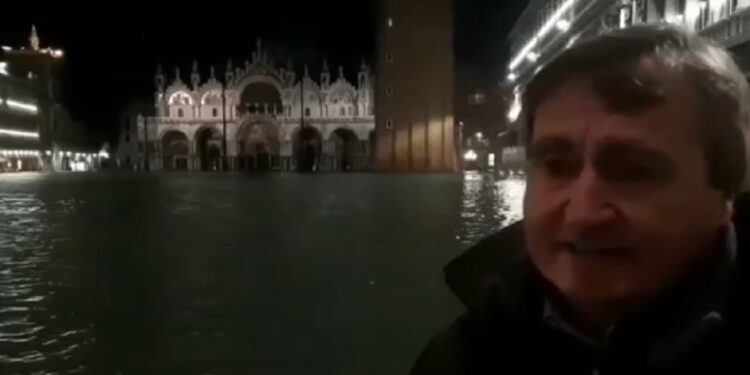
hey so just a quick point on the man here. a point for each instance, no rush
(628, 260)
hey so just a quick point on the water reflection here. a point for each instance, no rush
(230, 274)
(488, 204)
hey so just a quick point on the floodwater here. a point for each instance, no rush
(233, 274)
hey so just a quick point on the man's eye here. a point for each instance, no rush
(630, 172)
(560, 167)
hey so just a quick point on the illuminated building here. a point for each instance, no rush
(414, 89)
(264, 116)
(29, 104)
(548, 27)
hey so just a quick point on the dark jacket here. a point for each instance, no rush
(699, 328)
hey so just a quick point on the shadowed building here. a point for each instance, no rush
(414, 87)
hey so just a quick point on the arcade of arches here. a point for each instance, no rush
(264, 118)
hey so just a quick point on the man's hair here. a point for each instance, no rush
(613, 62)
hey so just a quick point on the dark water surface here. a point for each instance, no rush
(233, 274)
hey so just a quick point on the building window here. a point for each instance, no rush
(215, 112)
(389, 124)
(389, 57)
(307, 112)
(180, 113)
(390, 22)
(342, 111)
(389, 90)
(351, 111)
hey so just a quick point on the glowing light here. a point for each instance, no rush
(6, 48)
(19, 133)
(491, 160)
(572, 41)
(104, 154)
(563, 25)
(479, 135)
(512, 77)
(28, 107)
(515, 107)
(48, 153)
(552, 21)
(4, 68)
(532, 56)
(390, 22)
(677, 19)
(57, 53)
(470, 155)
(702, 5)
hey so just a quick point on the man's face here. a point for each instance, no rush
(618, 206)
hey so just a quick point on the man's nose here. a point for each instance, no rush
(589, 205)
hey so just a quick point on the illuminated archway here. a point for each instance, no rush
(258, 147)
(176, 148)
(345, 149)
(208, 146)
(307, 149)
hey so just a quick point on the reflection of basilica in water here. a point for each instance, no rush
(268, 124)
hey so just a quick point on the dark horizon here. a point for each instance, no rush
(110, 61)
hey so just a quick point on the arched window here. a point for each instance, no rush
(180, 113)
(307, 112)
(351, 111)
(215, 112)
(342, 112)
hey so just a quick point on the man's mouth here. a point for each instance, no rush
(597, 250)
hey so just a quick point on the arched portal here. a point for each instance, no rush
(260, 98)
(345, 149)
(258, 145)
(307, 149)
(176, 148)
(208, 144)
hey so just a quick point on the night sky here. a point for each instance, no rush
(112, 51)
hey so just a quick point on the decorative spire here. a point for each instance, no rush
(195, 77)
(341, 72)
(212, 73)
(159, 78)
(325, 76)
(34, 38)
(307, 72)
(177, 74)
(229, 72)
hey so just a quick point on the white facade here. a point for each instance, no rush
(274, 120)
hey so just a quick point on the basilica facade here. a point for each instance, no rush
(256, 117)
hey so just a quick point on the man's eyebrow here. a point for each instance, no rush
(637, 149)
(551, 145)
